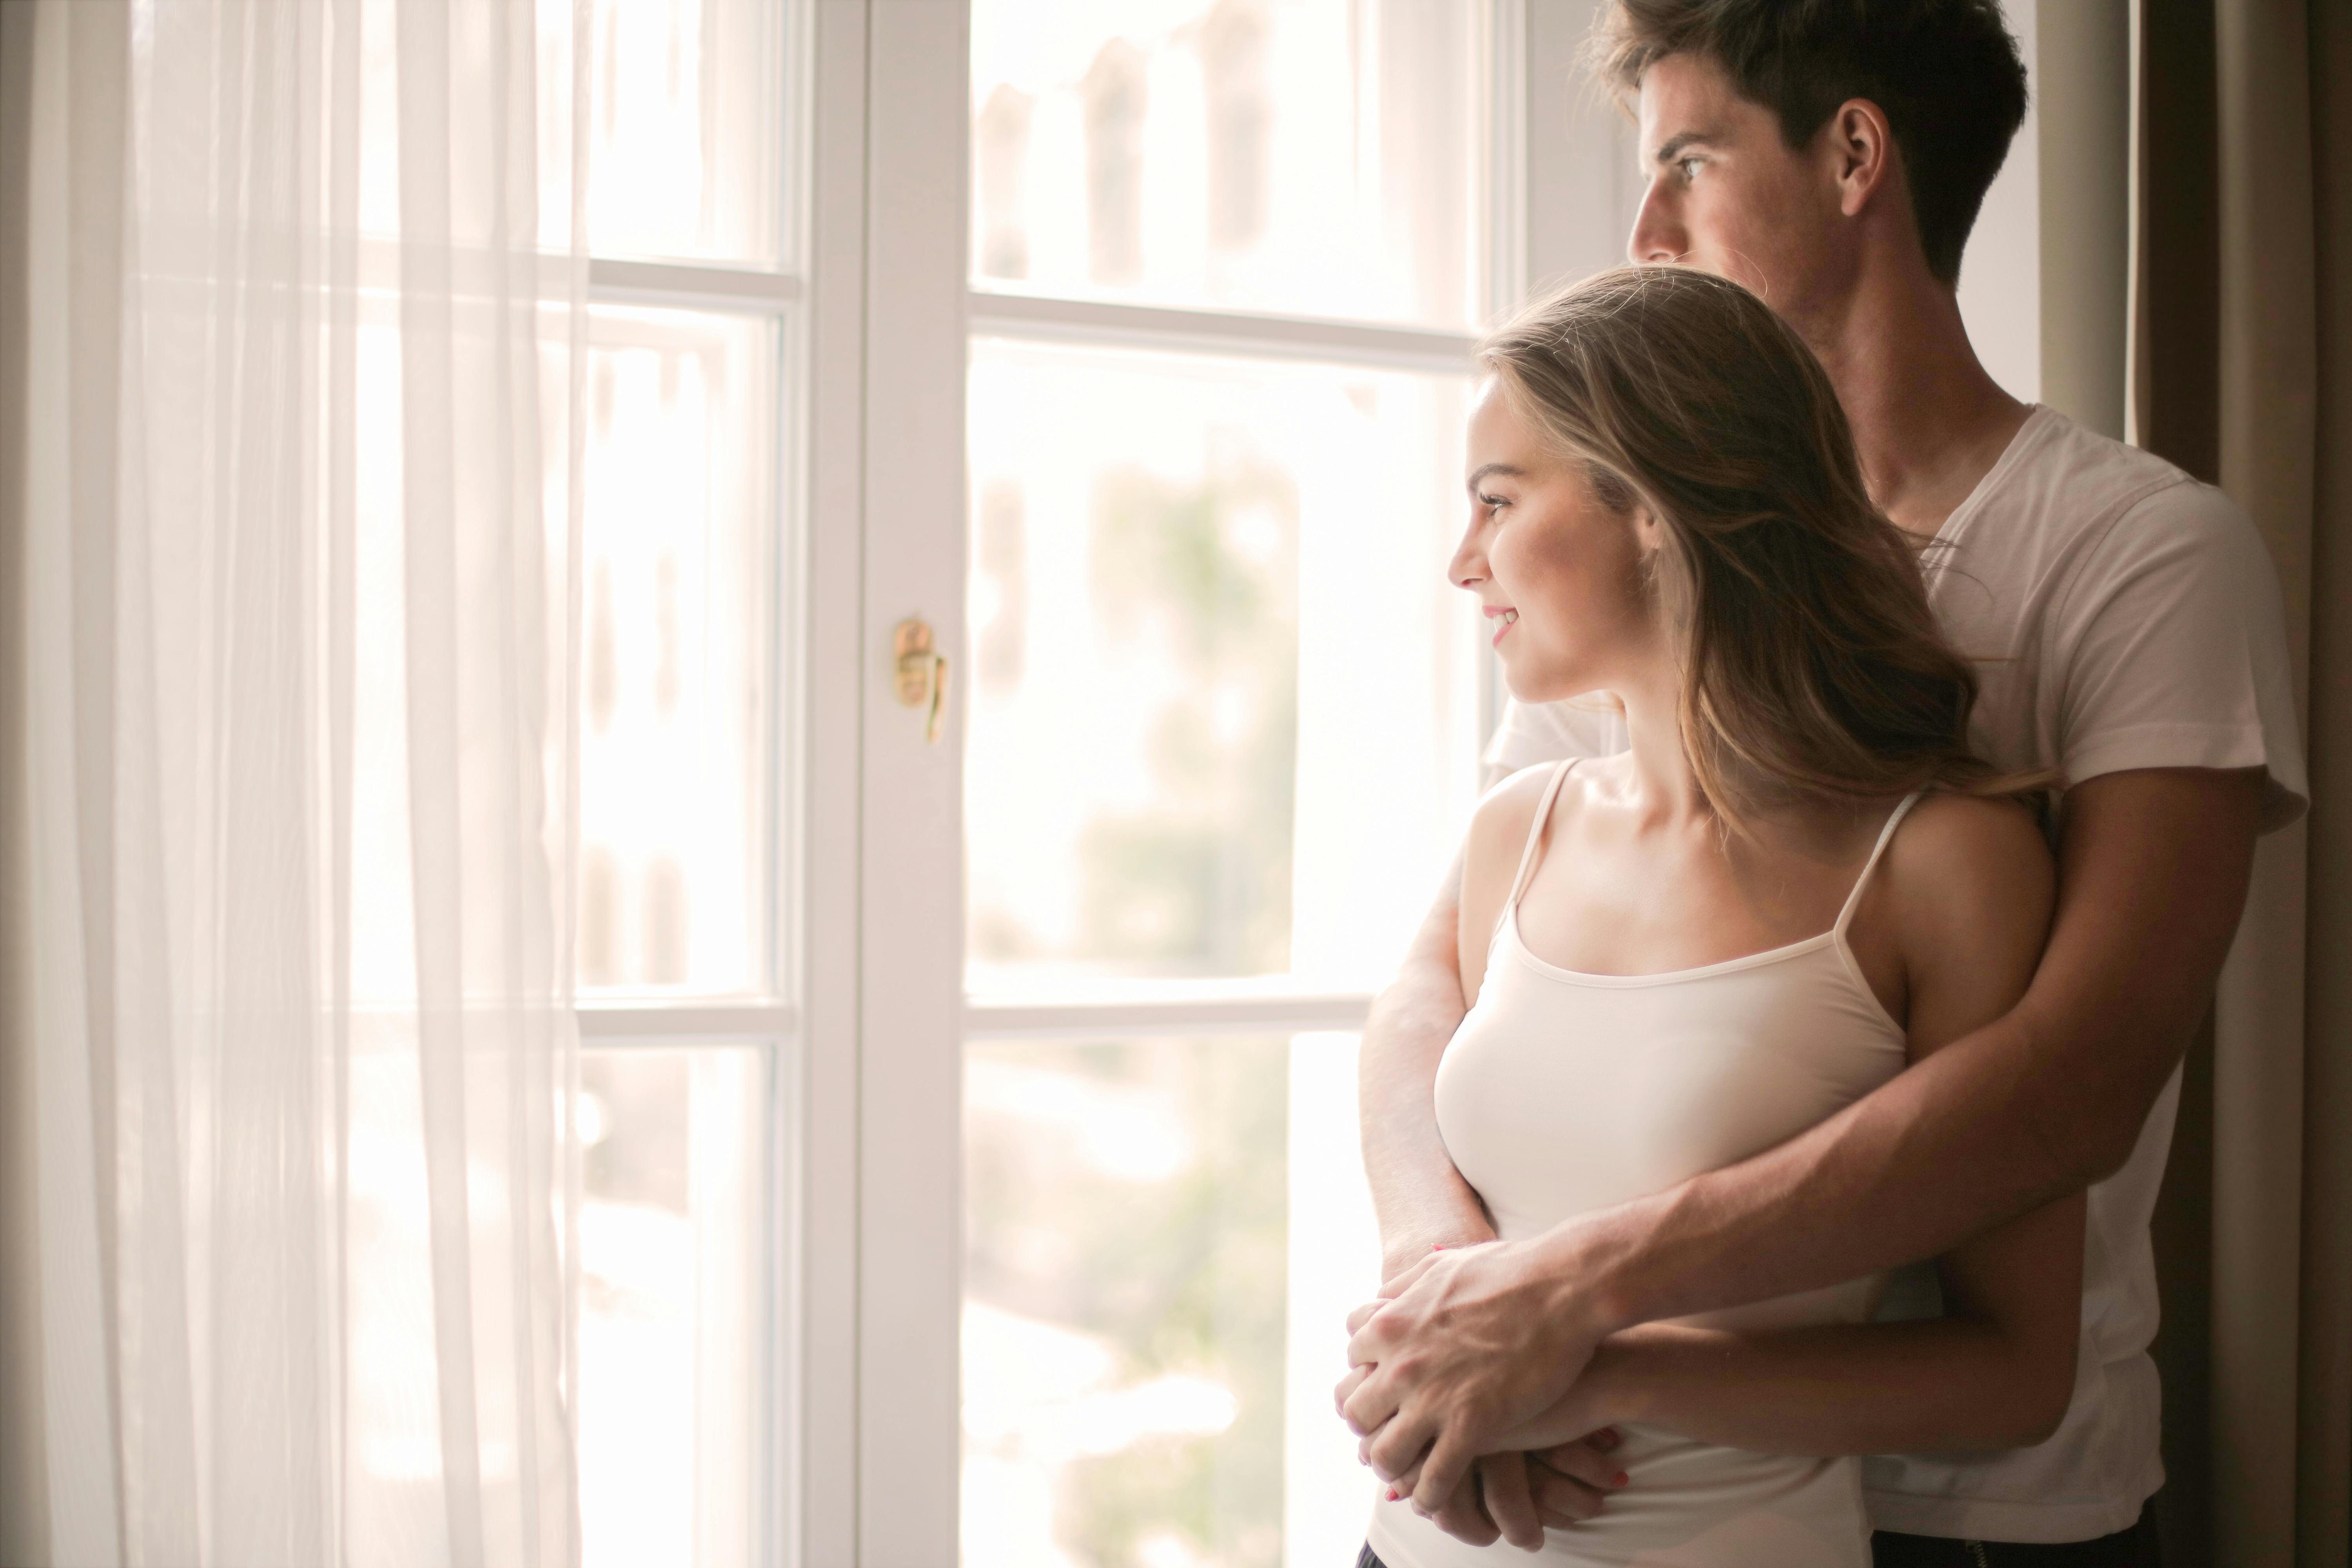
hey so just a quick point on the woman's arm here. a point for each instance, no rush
(1419, 1198)
(1949, 934)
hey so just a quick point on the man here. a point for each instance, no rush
(1832, 155)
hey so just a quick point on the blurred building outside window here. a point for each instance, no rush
(1221, 734)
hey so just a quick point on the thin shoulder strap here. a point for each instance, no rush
(1885, 837)
(1536, 832)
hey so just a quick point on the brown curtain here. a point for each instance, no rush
(2323, 1417)
(2241, 372)
(24, 1478)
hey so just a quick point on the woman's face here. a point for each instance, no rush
(1562, 578)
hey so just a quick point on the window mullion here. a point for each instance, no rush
(686, 286)
(1055, 317)
(1205, 1016)
(625, 1022)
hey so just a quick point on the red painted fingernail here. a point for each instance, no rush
(1437, 1247)
(1393, 1494)
(1622, 1478)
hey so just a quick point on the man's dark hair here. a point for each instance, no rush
(1945, 73)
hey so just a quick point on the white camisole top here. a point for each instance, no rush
(1562, 1093)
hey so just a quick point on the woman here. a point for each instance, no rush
(1796, 882)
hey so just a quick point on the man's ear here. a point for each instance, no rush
(1860, 148)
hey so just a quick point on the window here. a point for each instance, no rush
(1224, 257)
(688, 806)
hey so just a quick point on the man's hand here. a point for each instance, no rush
(1474, 1341)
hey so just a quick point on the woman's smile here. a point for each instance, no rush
(1510, 617)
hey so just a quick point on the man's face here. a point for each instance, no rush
(1726, 195)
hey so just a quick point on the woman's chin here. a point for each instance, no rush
(1542, 686)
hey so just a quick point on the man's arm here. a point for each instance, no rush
(1420, 1199)
(2153, 868)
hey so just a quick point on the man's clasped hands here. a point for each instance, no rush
(1480, 1386)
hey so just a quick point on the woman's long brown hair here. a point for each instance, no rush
(1812, 666)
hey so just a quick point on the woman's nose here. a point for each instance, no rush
(1468, 567)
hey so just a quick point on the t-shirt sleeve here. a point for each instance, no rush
(1533, 732)
(2172, 646)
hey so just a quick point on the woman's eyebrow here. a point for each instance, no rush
(1478, 476)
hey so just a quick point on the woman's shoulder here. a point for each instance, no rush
(1504, 818)
(1512, 799)
(1946, 834)
(1967, 870)
(1506, 812)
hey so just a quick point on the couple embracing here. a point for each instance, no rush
(1765, 1124)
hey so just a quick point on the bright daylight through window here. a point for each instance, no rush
(1225, 258)
(686, 816)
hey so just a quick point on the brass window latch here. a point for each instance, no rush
(922, 671)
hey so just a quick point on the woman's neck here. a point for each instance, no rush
(1668, 793)
(1665, 796)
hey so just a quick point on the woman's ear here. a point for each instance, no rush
(1658, 569)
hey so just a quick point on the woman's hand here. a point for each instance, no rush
(1513, 1495)
(1414, 1248)
(1599, 1399)
(1475, 1340)
(1517, 1496)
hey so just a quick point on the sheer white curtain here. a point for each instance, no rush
(290, 495)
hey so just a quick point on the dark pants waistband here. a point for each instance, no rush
(2133, 1548)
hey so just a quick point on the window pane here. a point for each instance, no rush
(674, 1228)
(1224, 702)
(1311, 156)
(679, 588)
(686, 133)
(1164, 1238)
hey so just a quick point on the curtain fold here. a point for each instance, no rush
(292, 511)
(2324, 1420)
(2244, 373)
(2266, 367)
(24, 1473)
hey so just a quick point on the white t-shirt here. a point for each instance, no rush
(2121, 615)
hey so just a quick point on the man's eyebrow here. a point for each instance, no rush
(1478, 476)
(1676, 146)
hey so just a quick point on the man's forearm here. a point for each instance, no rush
(1870, 1189)
(1420, 1199)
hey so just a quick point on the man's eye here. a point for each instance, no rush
(1689, 168)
